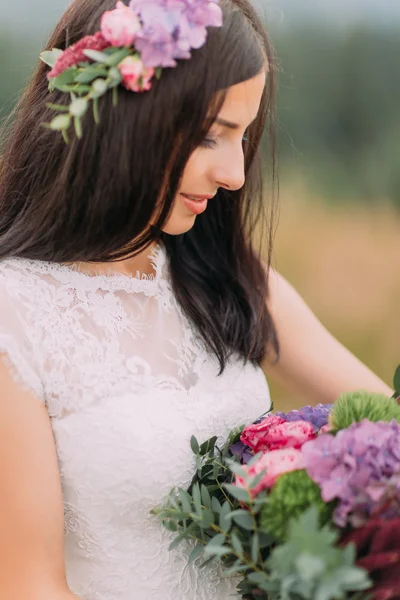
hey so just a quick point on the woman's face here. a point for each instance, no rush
(219, 161)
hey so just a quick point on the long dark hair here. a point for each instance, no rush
(93, 199)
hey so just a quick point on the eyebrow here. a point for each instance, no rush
(228, 124)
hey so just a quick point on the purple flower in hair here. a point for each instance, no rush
(172, 28)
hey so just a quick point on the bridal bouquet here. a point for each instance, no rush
(300, 506)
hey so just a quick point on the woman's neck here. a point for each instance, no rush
(141, 263)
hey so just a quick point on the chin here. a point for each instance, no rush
(179, 226)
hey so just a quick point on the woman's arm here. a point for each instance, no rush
(313, 363)
(31, 506)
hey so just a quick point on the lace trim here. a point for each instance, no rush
(108, 281)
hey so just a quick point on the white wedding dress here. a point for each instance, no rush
(126, 382)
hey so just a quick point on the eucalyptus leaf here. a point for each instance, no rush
(100, 57)
(244, 520)
(170, 525)
(238, 493)
(215, 504)
(254, 459)
(257, 577)
(65, 136)
(217, 540)
(96, 115)
(217, 550)
(80, 88)
(176, 541)
(236, 568)
(186, 500)
(224, 522)
(198, 550)
(90, 74)
(65, 79)
(197, 499)
(208, 445)
(58, 107)
(207, 519)
(117, 56)
(255, 548)
(50, 57)
(194, 444)
(205, 496)
(115, 96)
(236, 543)
(237, 469)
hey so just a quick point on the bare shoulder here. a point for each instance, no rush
(31, 512)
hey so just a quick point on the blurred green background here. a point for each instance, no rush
(338, 239)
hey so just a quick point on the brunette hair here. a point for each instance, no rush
(92, 200)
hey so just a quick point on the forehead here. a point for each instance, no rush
(243, 100)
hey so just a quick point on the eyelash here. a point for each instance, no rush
(210, 143)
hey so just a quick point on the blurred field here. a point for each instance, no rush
(345, 262)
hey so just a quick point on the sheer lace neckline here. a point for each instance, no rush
(107, 280)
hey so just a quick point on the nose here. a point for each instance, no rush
(229, 172)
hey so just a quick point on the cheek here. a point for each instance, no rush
(194, 171)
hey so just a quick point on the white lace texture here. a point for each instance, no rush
(126, 382)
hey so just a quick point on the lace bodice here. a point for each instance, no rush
(126, 381)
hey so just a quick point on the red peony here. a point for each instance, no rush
(378, 551)
(274, 433)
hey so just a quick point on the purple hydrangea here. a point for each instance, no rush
(360, 467)
(172, 28)
(316, 415)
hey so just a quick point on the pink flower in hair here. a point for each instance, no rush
(74, 54)
(135, 76)
(120, 26)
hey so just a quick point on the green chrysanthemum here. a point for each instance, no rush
(292, 494)
(353, 407)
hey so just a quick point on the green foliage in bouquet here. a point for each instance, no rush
(225, 522)
(291, 496)
(309, 565)
(396, 383)
(211, 514)
(353, 407)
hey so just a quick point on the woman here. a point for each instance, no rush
(135, 311)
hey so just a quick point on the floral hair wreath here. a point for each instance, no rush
(133, 46)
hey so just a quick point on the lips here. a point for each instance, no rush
(198, 198)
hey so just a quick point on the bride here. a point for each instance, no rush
(134, 308)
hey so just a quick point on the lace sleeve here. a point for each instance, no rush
(16, 349)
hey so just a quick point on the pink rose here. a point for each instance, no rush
(255, 436)
(120, 26)
(274, 433)
(291, 434)
(277, 463)
(135, 76)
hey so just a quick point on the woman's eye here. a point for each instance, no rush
(209, 143)
(212, 143)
